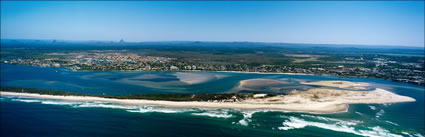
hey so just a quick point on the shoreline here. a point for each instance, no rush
(292, 103)
(265, 72)
(247, 72)
(87, 70)
(323, 108)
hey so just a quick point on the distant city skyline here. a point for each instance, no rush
(391, 23)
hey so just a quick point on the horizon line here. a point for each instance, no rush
(118, 41)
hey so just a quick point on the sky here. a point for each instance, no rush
(324, 22)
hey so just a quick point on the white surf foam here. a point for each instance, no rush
(295, 123)
(102, 105)
(129, 108)
(26, 100)
(407, 134)
(380, 113)
(215, 113)
(412, 135)
(51, 102)
(359, 113)
(338, 121)
(377, 132)
(372, 107)
(392, 123)
(149, 109)
(247, 115)
(418, 135)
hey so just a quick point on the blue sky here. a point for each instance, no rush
(325, 22)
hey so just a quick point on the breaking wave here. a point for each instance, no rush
(352, 122)
(60, 102)
(372, 107)
(247, 115)
(295, 123)
(392, 123)
(216, 113)
(359, 113)
(26, 100)
(148, 109)
(380, 113)
(97, 104)
(101, 105)
(412, 134)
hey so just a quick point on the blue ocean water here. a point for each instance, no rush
(44, 117)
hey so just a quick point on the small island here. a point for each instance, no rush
(316, 100)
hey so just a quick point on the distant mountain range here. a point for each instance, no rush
(33, 42)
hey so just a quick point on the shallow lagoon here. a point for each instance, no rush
(120, 83)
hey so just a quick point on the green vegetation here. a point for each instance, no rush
(184, 97)
(401, 64)
(167, 97)
(40, 91)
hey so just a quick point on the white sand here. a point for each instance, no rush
(193, 78)
(259, 82)
(266, 72)
(325, 101)
(339, 84)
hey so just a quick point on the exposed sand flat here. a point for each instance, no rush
(266, 73)
(275, 86)
(195, 78)
(259, 82)
(314, 100)
(338, 84)
(261, 85)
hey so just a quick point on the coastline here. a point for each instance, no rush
(247, 72)
(265, 72)
(294, 103)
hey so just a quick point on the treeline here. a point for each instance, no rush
(165, 97)
(184, 97)
(40, 91)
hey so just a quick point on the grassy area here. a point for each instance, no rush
(299, 60)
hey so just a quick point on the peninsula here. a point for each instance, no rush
(317, 100)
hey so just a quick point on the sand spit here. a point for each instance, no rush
(195, 78)
(259, 82)
(338, 84)
(266, 72)
(313, 100)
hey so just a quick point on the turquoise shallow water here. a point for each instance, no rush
(41, 117)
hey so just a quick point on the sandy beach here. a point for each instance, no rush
(314, 100)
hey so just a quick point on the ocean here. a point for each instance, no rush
(45, 117)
